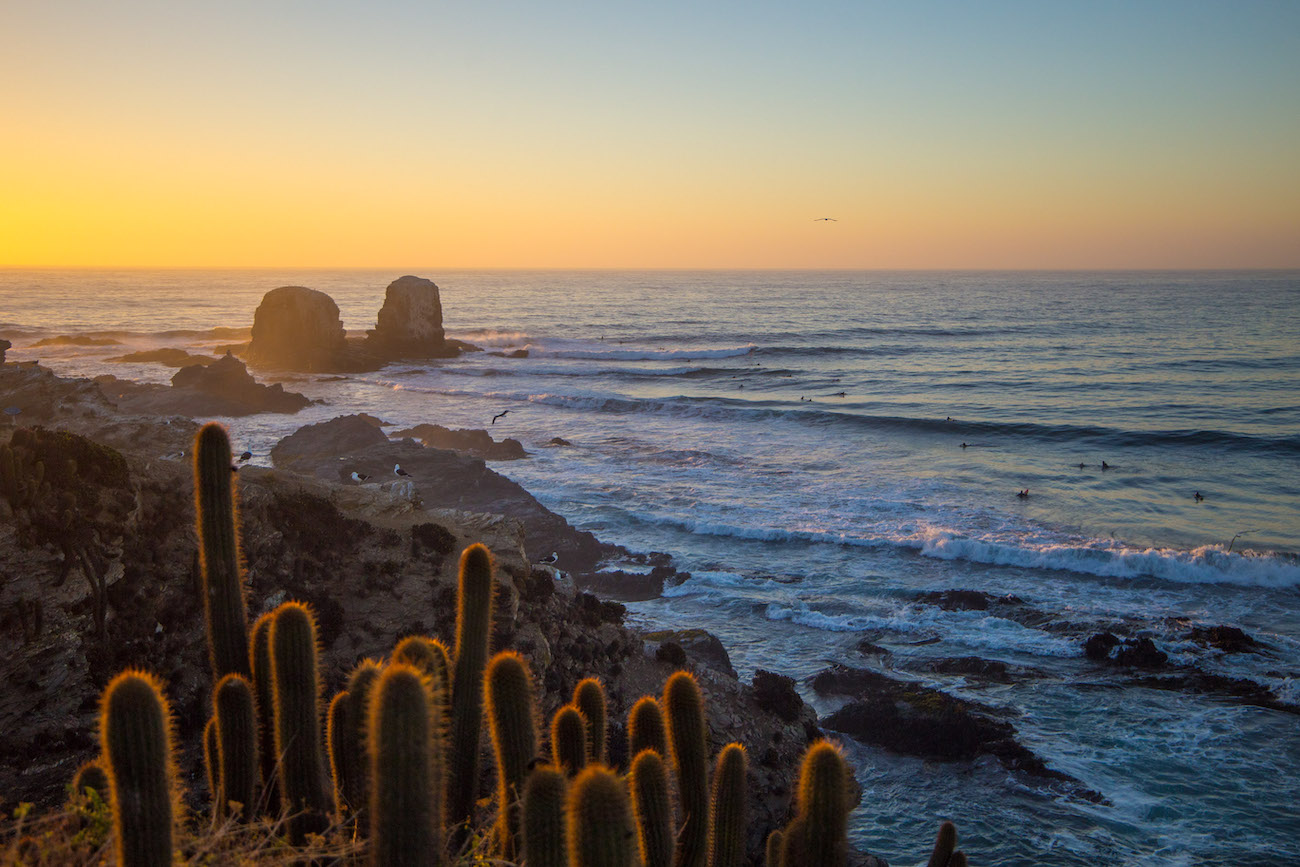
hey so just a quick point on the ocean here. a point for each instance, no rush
(819, 448)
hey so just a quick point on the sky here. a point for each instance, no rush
(1035, 134)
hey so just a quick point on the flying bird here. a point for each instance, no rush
(499, 415)
(825, 220)
(359, 477)
(398, 471)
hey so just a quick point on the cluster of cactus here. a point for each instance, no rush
(402, 741)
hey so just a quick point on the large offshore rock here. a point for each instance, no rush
(296, 328)
(410, 322)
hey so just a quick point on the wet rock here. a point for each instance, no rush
(1229, 639)
(76, 340)
(410, 322)
(1107, 648)
(559, 441)
(478, 443)
(868, 647)
(699, 646)
(1233, 688)
(327, 440)
(296, 328)
(626, 586)
(228, 380)
(777, 693)
(170, 357)
(966, 600)
(4, 346)
(970, 666)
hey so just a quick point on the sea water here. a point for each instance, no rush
(818, 448)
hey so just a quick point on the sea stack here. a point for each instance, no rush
(410, 322)
(297, 328)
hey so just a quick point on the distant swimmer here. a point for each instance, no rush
(398, 471)
(1105, 466)
(359, 477)
(1197, 496)
(501, 414)
(965, 445)
(1024, 495)
(840, 394)
(825, 220)
(1083, 466)
(245, 457)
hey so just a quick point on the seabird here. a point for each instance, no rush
(398, 471)
(246, 456)
(499, 415)
(551, 558)
(825, 219)
(359, 477)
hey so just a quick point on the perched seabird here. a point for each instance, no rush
(551, 558)
(398, 471)
(499, 415)
(246, 456)
(359, 477)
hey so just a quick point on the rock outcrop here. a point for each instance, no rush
(478, 443)
(4, 346)
(296, 328)
(168, 356)
(410, 322)
(223, 388)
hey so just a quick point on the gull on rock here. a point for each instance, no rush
(359, 477)
(398, 471)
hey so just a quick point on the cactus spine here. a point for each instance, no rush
(589, 699)
(819, 833)
(338, 731)
(944, 844)
(212, 761)
(728, 819)
(473, 624)
(136, 738)
(545, 843)
(91, 776)
(356, 791)
(406, 769)
(223, 586)
(428, 654)
(772, 852)
(259, 652)
(652, 804)
(236, 731)
(687, 739)
(600, 821)
(645, 727)
(296, 685)
(569, 740)
(514, 740)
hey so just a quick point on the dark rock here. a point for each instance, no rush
(618, 584)
(4, 346)
(478, 443)
(410, 322)
(228, 379)
(966, 600)
(170, 357)
(699, 646)
(1233, 688)
(432, 537)
(870, 648)
(671, 652)
(777, 693)
(1229, 639)
(971, 666)
(559, 441)
(76, 340)
(1099, 646)
(1106, 648)
(296, 328)
(327, 440)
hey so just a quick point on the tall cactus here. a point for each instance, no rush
(223, 586)
(259, 652)
(212, 761)
(772, 851)
(600, 821)
(405, 737)
(297, 689)
(645, 727)
(236, 718)
(425, 653)
(356, 791)
(338, 736)
(514, 739)
(688, 745)
(569, 740)
(652, 805)
(473, 627)
(135, 730)
(545, 842)
(728, 820)
(944, 844)
(589, 699)
(91, 775)
(819, 833)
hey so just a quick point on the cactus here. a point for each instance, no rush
(569, 740)
(90, 776)
(600, 821)
(338, 743)
(223, 586)
(425, 653)
(545, 843)
(819, 834)
(645, 727)
(514, 740)
(589, 699)
(727, 820)
(473, 624)
(259, 652)
(687, 739)
(296, 685)
(772, 852)
(361, 683)
(236, 731)
(405, 737)
(135, 730)
(652, 805)
(212, 760)
(944, 844)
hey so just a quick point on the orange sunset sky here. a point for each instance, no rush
(674, 135)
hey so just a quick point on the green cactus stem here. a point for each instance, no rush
(589, 699)
(727, 822)
(236, 716)
(823, 810)
(544, 840)
(406, 769)
(645, 727)
(569, 740)
(473, 625)
(338, 731)
(259, 652)
(944, 844)
(688, 745)
(425, 653)
(297, 689)
(772, 852)
(601, 832)
(135, 729)
(511, 718)
(212, 761)
(356, 791)
(91, 775)
(652, 805)
(220, 557)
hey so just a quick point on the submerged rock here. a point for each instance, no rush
(1108, 648)
(1229, 639)
(169, 356)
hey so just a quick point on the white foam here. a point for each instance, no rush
(640, 354)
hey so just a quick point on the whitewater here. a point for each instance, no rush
(818, 449)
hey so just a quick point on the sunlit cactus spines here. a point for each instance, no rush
(473, 628)
(406, 762)
(545, 843)
(91, 775)
(425, 653)
(944, 844)
(772, 849)
(652, 806)
(511, 718)
(600, 825)
(135, 730)
(729, 816)
(569, 740)
(356, 790)
(259, 654)
(589, 699)
(823, 810)
(212, 760)
(234, 711)
(220, 558)
(688, 747)
(297, 689)
(645, 727)
(338, 733)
